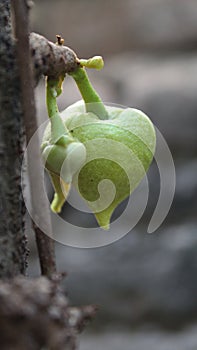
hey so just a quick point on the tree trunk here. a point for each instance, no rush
(13, 250)
(34, 313)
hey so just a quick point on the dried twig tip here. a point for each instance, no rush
(60, 40)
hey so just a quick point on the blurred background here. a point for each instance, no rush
(145, 284)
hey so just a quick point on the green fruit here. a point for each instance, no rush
(125, 141)
(119, 147)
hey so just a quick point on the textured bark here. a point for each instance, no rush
(34, 315)
(39, 204)
(13, 251)
(50, 59)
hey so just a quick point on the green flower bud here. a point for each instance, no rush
(64, 161)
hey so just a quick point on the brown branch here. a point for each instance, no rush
(40, 206)
(51, 59)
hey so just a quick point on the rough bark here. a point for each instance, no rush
(34, 315)
(50, 59)
(39, 204)
(13, 250)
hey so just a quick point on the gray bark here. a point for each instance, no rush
(13, 250)
(39, 204)
(34, 315)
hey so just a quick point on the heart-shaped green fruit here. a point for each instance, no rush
(119, 144)
(119, 149)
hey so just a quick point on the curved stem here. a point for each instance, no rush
(58, 129)
(92, 100)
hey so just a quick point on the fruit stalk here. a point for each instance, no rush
(53, 90)
(92, 100)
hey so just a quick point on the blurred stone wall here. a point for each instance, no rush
(150, 50)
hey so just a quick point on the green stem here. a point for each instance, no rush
(92, 100)
(51, 99)
(59, 196)
(58, 129)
